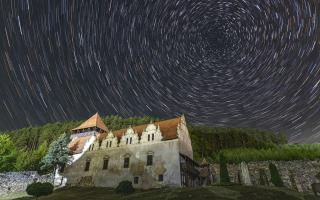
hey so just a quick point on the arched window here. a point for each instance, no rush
(150, 158)
(87, 165)
(105, 162)
(126, 161)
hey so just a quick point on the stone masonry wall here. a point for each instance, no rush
(297, 175)
(18, 181)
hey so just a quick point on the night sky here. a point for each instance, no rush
(235, 63)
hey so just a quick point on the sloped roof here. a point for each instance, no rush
(94, 121)
(168, 129)
(76, 146)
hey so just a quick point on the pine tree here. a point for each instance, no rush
(8, 154)
(224, 174)
(275, 176)
(57, 155)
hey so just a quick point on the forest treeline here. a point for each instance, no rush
(29, 145)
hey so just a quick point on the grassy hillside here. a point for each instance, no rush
(211, 192)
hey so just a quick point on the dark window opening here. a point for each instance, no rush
(87, 166)
(152, 137)
(107, 144)
(160, 178)
(148, 137)
(126, 163)
(127, 140)
(149, 160)
(131, 140)
(110, 143)
(105, 163)
(136, 180)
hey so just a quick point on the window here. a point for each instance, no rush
(149, 160)
(148, 137)
(107, 144)
(152, 137)
(110, 143)
(87, 165)
(126, 162)
(136, 180)
(105, 163)
(131, 140)
(160, 178)
(127, 140)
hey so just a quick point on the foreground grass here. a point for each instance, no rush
(211, 192)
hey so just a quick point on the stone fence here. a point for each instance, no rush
(297, 175)
(18, 181)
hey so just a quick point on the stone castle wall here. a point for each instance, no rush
(165, 162)
(297, 175)
(18, 181)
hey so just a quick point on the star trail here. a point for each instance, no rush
(234, 63)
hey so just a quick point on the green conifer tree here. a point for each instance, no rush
(224, 174)
(275, 176)
(57, 156)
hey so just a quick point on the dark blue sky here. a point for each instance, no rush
(222, 63)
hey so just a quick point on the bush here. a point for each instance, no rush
(125, 187)
(39, 189)
(275, 176)
(224, 174)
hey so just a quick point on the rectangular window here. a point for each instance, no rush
(126, 162)
(160, 178)
(87, 166)
(107, 144)
(131, 140)
(110, 143)
(148, 137)
(149, 160)
(136, 180)
(105, 163)
(152, 137)
(127, 140)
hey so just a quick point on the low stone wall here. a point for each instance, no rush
(297, 175)
(18, 181)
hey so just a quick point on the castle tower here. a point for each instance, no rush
(86, 133)
(94, 123)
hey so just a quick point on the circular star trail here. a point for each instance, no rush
(235, 63)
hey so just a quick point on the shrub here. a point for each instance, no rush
(275, 176)
(39, 189)
(124, 187)
(224, 174)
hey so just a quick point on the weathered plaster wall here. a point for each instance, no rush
(185, 145)
(165, 161)
(297, 175)
(18, 181)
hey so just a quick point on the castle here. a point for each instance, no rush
(150, 155)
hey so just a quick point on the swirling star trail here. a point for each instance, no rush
(237, 63)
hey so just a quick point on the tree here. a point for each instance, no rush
(30, 160)
(275, 176)
(224, 174)
(39, 189)
(282, 138)
(125, 188)
(8, 154)
(57, 156)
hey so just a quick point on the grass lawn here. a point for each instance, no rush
(235, 192)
